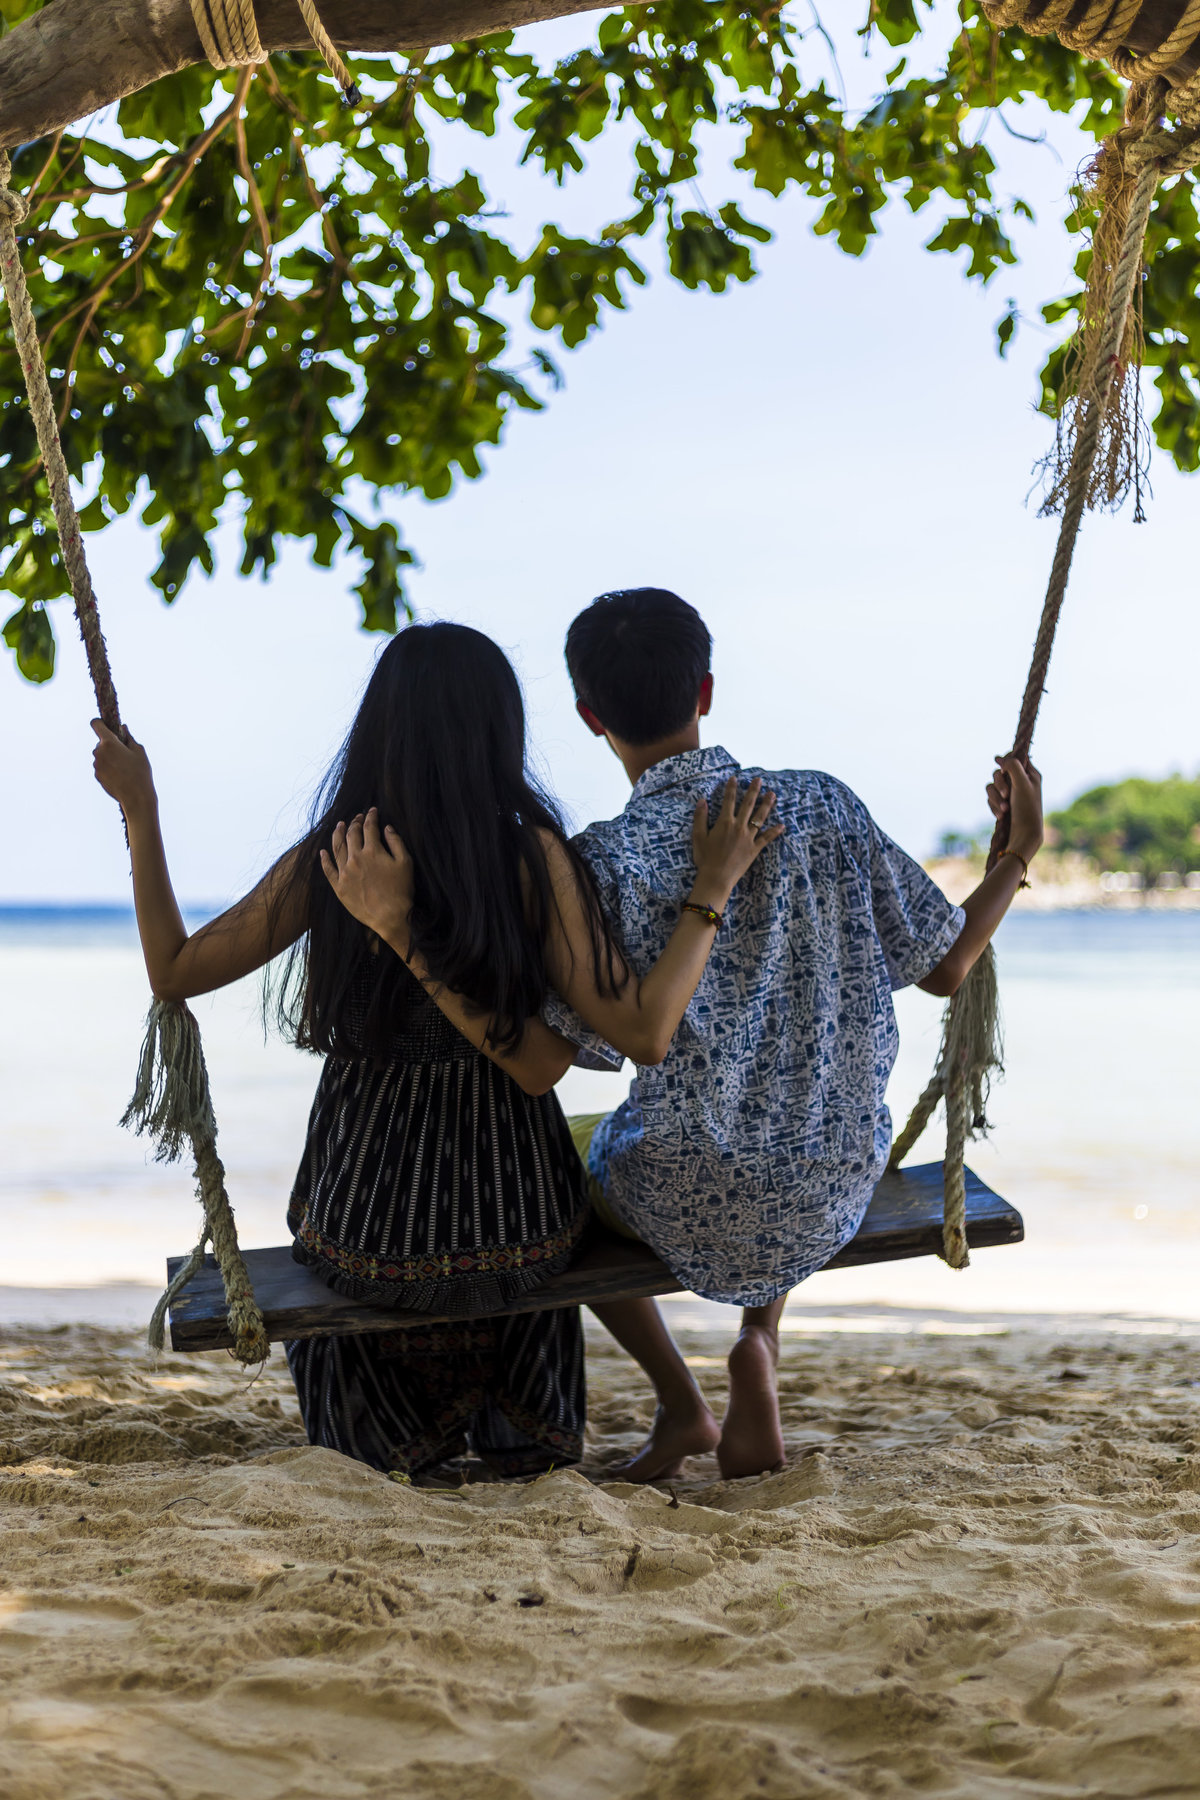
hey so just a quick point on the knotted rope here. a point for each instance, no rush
(172, 1100)
(1126, 176)
(228, 33)
(1102, 31)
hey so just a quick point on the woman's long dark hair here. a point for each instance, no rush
(439, 747)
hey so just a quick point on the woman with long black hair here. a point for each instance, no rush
(425, 913)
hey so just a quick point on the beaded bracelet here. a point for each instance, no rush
(709, 914)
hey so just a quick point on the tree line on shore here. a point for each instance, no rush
(1145, 828)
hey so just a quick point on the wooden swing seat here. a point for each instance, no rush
(904, 1219)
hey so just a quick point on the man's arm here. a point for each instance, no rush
(640, 1016)
(1015, 794)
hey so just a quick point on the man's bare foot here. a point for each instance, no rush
(751, 1436)
(689, 1430)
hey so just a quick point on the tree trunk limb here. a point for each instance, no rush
(77, 56)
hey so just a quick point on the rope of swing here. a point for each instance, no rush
(172, 1100)
(1126, 177)
(228, 33)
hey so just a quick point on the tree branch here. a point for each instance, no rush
(259, 215)
(316, 197)
(76, 56)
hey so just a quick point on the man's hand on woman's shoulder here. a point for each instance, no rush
(371, 873)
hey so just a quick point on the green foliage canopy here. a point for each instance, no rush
(254, 300)
(1151, 827)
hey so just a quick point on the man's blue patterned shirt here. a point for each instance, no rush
(748, 1157)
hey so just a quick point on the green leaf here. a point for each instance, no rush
(30, 634)
(169, 110)
(381, 589)
(1006, 327)
(895, 20)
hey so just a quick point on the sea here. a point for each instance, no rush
(1095, 1139)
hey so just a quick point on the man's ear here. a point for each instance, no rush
(589, 718)
(704, 705)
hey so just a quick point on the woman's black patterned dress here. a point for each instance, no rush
(432, 1182)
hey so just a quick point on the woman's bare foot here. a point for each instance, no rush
(679, 1431)
(751, 1436)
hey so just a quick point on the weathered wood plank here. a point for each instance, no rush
(904, 1220)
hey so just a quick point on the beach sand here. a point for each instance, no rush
(979, 1577)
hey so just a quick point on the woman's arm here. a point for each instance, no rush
(238, 941)
(372, 876)
(540, 1059)
(642, 1016)
(373, 880)
(1014, 793)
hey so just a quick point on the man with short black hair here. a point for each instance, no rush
(638, 660)
(747, 1158)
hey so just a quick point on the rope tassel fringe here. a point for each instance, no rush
(971, 1053)
(172, 1105)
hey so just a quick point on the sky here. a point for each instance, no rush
(831, 463)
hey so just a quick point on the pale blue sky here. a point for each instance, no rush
(831, 464)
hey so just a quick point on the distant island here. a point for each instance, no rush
(1130, 843)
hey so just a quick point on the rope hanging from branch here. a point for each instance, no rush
(172, 1100)
(228, 33)
(1097, 460)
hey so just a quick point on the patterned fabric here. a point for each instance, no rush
(435, 1185)
(431, 1183)
(583, 1130)
(510, 1390)
(748, 1158)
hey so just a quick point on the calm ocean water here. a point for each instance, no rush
(1097, 1135)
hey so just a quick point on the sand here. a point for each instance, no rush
(979, 1577)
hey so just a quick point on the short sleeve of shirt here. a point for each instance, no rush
(915, 923)
(592, 1051)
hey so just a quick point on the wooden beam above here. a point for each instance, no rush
(76, 56)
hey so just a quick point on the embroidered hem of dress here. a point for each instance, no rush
(464, 1283)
